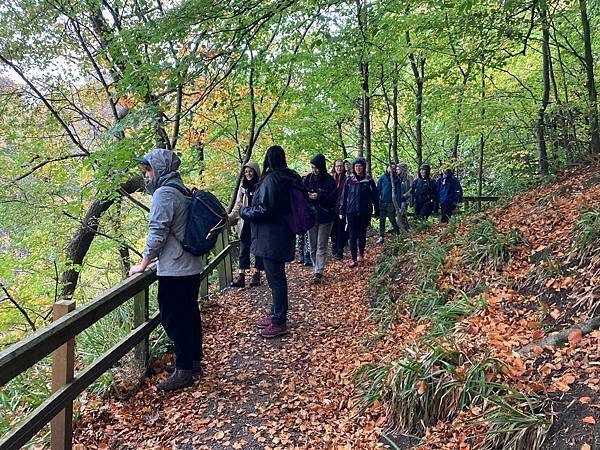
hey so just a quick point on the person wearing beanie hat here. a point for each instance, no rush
(178, 271)
(359, 199)
(244, 198)
(424, 194)
(322, 193)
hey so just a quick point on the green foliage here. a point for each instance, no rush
(587, 232)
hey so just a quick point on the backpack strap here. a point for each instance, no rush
(183, 190)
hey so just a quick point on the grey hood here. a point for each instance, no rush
(165, 164)
(253, 166)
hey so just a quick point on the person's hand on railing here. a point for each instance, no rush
(139, 268)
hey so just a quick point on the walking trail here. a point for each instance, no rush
(290, 392)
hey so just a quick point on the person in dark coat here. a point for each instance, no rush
(424, 194)
(322, 194)
(406, 181)
(358, 201)
(339, 237)
(272, 239)
(386, 205)
(450, 194)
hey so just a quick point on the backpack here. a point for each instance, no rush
(206, 219)
(302, 215)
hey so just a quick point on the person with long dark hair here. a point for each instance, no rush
(244, 198)
(359, 200)
(272, 239)
(339, 237)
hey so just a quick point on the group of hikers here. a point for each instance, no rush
(343, 202)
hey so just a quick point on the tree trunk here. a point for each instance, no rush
(395, 114)
(367, 115)
(339, 124)
(481, 141)
(418, 68)
(541, 123)
(591, 86)
(82, 240)
(360, 143)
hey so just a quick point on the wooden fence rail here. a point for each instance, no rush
(59, 337)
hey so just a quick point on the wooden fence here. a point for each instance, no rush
(59, 337)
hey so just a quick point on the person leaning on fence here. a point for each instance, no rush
(339, 237)
(322, 193)
(387, 210)
(178, 271)
(424, 194)
(450, 194)
(272, 239)
(358, 201)
(244, 198)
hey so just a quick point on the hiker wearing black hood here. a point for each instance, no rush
(424, 194)
(322, 194)
(244, 198)
(359, 199)
(178, 271)
(272, 239)
(450, 192)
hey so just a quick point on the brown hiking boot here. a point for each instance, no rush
(264, 322)
(179, 379)
(273, 331)
(240, 281)
(255, 280)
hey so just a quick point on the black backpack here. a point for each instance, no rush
(206, 219)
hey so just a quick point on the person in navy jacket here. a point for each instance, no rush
(450, 194)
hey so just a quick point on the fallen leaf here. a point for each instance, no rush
(421, 387)
(575, 336)
(219, 435)
(555, 314)
(585, 400)
(589, 420)
(586, 446)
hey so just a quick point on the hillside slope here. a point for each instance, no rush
(458, 305)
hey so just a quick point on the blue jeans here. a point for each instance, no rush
(275, 271)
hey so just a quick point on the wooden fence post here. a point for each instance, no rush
(63, 359)
(141, 316)
(204, 281)
(224, 267)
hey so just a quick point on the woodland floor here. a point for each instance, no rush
(287, 392)
(298, 391)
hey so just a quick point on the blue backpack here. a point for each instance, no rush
(206, 219)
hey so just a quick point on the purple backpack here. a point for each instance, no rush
(302, 215)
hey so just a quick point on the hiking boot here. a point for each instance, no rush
(308, 263)
(273, 331)
(196, 369)
(360, 258)
(239, 282)
(353, 264)
(264, 322)
(338, 256)
(317, 278)
(255, 280)
(380, 240)
(179, 379)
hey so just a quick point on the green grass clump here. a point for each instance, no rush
(587, 232)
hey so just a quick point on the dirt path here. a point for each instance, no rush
(291, 392)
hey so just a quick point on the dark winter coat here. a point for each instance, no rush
(450, 190)
(340, 181)
(359, 196)
(384, 187)
(324, 185)
(271, 236)
(424, 189)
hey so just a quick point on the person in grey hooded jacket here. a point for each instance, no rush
(178, 271)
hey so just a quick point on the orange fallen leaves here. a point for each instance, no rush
(590, 420)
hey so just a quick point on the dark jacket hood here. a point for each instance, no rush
(363, 162)
(427, 169)
(319, 162)
(165, 164)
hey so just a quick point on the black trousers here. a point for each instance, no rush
(245, 243)
(447, 211)
(423, 210)
(387, 211)
(357, 232)
(275, 271)
(180, 317)
(339, 236)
